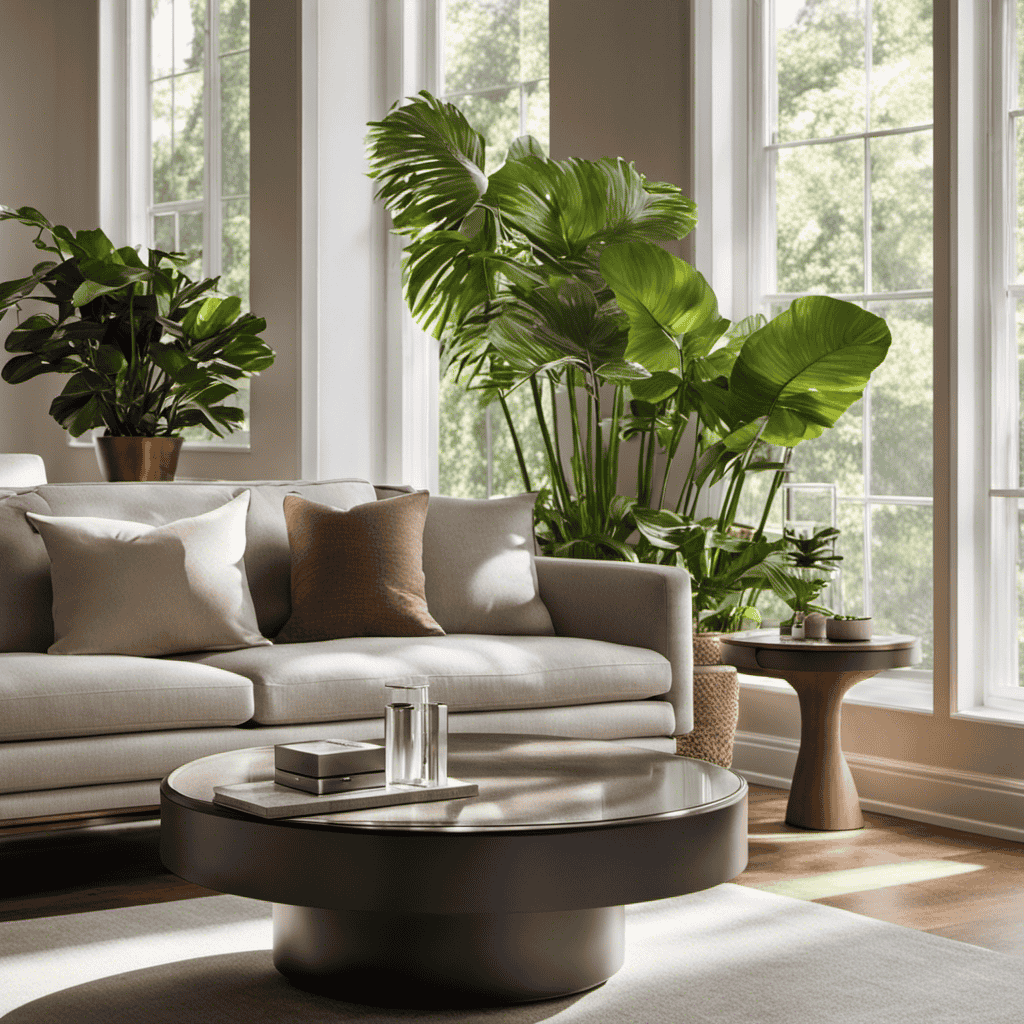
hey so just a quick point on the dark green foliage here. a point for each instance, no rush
(149, 352)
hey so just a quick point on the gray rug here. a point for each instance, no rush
(731, 955)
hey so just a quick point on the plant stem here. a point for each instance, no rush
(559, 489)
(515, 441)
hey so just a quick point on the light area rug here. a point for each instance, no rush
(730, 955)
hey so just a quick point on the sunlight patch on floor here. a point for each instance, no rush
(801, 837)
(875, 876)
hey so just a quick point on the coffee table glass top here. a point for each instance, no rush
(526, 782)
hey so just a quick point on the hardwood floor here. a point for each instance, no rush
(956, 884)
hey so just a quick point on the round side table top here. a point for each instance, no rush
(765, 649)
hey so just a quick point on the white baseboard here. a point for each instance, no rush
(990, 805)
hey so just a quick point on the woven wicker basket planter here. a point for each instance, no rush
(716, 704)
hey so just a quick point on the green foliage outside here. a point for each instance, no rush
(821, 247)
(178, 140)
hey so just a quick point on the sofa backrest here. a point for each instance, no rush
(26, 621)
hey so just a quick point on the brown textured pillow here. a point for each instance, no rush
(357, 573)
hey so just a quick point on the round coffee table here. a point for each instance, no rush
(823, 795)
(513, 895)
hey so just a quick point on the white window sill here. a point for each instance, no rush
(992, 716)
(881, 691)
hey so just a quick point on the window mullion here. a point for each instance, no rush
(212, 177)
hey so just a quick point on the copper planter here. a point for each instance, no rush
(138, 458)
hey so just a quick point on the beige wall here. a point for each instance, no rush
(49, 67)
(620, 86)
(48, 159)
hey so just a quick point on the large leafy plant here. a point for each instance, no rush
(148, 351)
(548, 275)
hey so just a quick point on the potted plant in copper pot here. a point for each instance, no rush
(148, 351)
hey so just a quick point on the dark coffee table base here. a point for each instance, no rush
(447, 959)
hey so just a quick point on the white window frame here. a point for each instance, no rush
(126, 200)
(733, 240)
(997, 659)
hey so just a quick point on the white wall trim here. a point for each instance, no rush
(309, 337)
(990, 805)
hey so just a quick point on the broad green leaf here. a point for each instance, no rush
(94, 243)
(546, 324)
(657, 387)
(108, 359)
(206, 319)
(429, 162)
(806, 367)
(663, 296)
(621, 371)
(566, 206)
(24, 367)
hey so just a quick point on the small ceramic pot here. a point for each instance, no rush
(849, 630)
(814, 626)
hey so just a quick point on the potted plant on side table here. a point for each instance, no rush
(148, 351)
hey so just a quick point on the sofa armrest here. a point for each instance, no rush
(625, 603)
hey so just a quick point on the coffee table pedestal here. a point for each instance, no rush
(427, 959)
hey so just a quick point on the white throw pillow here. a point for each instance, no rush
(478, 563)
(129, 588)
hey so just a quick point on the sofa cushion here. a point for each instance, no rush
(478, 559)
(26, 622)
(121, 587)
(336, 680)
(358, 572)
(92, 694)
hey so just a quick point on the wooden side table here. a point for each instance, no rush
(823, 795)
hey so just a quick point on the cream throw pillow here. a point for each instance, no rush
(479, 567)
(130, 588)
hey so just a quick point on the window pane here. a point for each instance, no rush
(820, 218)
(902, 573)
(901, 63)
(1019, 82)
(820, 62)
(508, 478)
(495, 115)
(462, 442)
(161, 54)
(1018, 130)
(189, 34)
(190, 241)
(482, 44)
(1019, 311)
(835, 457)
(160, 130)
(1020, 601)
(234, 119)
(535, 58)
(849, 590)
(235, 249)
(901, 212)
(164, 233)
(901, 404)
(234, 25)
(538, 111)
(187, 160)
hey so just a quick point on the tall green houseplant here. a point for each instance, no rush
(548, 275)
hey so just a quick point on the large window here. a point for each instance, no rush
(494, 67)
(843, 206)
(1003, 665)
(175, 134)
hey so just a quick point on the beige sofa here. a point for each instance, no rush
(96, 733)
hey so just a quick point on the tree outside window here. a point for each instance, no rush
(495, 69)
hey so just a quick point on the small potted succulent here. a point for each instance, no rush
(848, 627)
(811, 561)
(148, 351)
